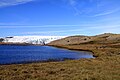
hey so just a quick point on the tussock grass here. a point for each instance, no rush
(106, 68)
(106, 65)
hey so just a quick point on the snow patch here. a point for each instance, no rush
(33, 39)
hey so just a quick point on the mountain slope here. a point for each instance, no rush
(76, 40)
(100, 45)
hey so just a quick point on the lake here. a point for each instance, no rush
(13, 54)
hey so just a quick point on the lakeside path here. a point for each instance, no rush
(106, 65)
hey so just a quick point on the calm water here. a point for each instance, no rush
(24, 54)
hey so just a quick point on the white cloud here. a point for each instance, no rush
(106, 13)
(72, 2)
(4, 3)
(91, 29)
(80, 6)
(47, 32)
(40, 26)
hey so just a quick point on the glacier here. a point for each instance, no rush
(32, 39)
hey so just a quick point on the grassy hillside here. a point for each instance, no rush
(106, 65)
(100, 45)
(98, 39)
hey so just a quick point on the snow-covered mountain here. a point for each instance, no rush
(32, 39)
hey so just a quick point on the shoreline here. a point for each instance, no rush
(18, 44)
(105, 65)
(73, 49)
(51, 60)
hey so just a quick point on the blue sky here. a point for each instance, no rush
(59, 17)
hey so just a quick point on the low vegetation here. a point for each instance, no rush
(1, 39)
(105, 65)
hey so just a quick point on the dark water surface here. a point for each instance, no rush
(24, 54)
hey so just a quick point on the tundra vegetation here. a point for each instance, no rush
(105, 65)
(1, 39)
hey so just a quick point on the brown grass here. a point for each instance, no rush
(107, 68)
(106, 65)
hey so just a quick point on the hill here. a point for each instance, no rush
(98, 39)
(101, 42)
(105, 65)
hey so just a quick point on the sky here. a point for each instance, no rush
(59, 17)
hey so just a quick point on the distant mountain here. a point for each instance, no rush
(32, 39)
